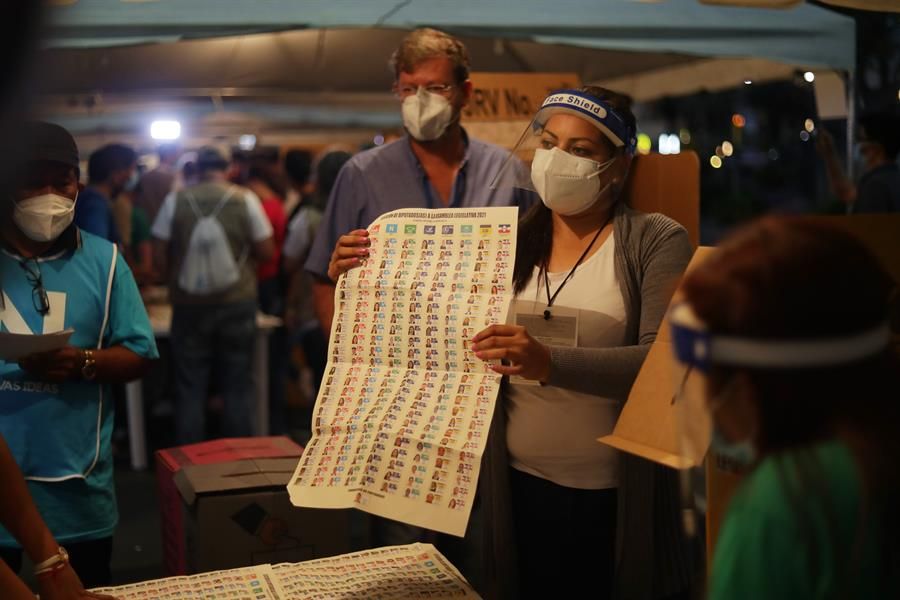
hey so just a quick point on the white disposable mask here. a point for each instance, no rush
(426, 115)
(43, 218)
(568, 185)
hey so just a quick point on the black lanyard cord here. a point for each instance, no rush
(551, 299)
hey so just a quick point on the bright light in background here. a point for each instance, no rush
(727, 148)
(773, 154)
(669, 143)
(165, 130)
(738, 120)
(716, 162)
(804, 135)
(247, 142)
(685, 136)
(719, 152)
(644, 143)
(378, 140)
(809, 76)
(809, 125)
(748, 81)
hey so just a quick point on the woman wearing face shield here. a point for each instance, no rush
(803, 387)
(592, 281)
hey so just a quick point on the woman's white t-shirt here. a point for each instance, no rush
(552, 432)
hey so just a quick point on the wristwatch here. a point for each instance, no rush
(89, 367)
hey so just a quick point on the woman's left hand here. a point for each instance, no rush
(528, 357)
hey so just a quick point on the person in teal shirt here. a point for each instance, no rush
(789, 322)
(56, 409)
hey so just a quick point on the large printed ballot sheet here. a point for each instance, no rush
(393, 572)
(402, 416)
(250, 583)
(412, 571)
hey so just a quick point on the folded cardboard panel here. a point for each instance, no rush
(651, 424)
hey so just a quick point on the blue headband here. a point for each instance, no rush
(696, 346)
(598, 112)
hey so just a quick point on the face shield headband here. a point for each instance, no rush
(697, 347)
(595, 110)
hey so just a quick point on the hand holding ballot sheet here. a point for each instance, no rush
(403, 413)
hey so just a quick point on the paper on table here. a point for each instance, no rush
(402, 416)
(14, 346)
(257, 582)
(412, 571)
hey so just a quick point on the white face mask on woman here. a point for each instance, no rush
(567, 184)
(426, 115)
(43, 218)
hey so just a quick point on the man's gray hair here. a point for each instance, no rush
(426, 43)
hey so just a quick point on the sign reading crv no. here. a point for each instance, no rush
(513, 96)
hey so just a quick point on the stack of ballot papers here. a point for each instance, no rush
(411, 571)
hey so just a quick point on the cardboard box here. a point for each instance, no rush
(171, 461)
(238, 513)
(648, 425)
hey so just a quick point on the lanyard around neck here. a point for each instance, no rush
(552, 299)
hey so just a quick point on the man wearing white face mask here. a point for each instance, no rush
(592, 281)
(58, 415)
(435, 165)
(111, 169)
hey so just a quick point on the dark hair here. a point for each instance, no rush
(168, 151)
(797, 277)
(326, 175)
(882, 128)
(109, 159)
(264, 167)
(535, 237)
(298, 165)
(621, 103)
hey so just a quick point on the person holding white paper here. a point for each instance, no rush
(593, 278)
(57, 409)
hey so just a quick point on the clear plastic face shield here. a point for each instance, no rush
(710, 407)
(570, 144)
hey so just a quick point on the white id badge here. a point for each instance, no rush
(561, 329)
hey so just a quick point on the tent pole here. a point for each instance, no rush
(851, 126)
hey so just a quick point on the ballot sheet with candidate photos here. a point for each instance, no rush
(393, 572)
(403, 412)
(251, 583)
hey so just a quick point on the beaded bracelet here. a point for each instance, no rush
(57, 562)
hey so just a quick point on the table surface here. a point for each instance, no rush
(161, 319)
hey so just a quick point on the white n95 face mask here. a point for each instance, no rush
(567, 184)
(426, 115)
(43, 218)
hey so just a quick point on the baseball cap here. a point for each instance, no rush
(49, 141)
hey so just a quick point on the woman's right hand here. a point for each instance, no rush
(349, 252)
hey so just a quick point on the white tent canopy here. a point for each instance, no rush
(804, 34)
(323, 63)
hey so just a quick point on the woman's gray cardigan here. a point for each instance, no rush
(651, 253)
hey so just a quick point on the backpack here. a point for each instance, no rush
(209, 266)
